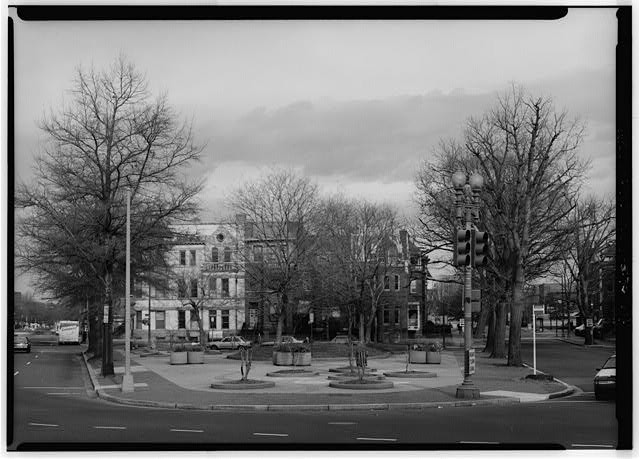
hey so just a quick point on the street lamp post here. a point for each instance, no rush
(467, 221)
(127, 378)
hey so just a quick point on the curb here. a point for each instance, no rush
(568, 390)
(328, 407)
(603, 346)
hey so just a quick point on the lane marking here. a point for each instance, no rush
(63, 393)
(270, 434)
(52, 387)
(376, 439)
(28, 363)
(16, 373)
(43, 425)
(592, 446)
(186, 430)
(341, 423)
(480, 442)
(110, 427)
(36, 356)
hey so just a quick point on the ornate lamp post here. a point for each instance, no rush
(467, 224)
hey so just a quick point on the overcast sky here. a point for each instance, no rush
(355, 105)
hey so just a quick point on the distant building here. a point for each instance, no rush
(207, 268)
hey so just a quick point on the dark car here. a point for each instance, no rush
(603, 328)
(21, 343)
(604, 383)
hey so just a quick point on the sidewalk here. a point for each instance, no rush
(159, 384)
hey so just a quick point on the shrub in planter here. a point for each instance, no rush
(418, 353)
(195, 354)
(292, 355)
(433, 353)
(178, 355)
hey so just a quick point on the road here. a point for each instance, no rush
(52, 405)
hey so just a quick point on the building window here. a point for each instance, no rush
(257, 254)
(192, 259)
(181, 320)
(194, 288)
(159, 320)
(193, 321)
(183, 258)
(214, 255)
(227, 254)
(139, 320)
(253, 317)
(396, 317)
(396, 282)
(225, 287)
(213, 320)
(182, 288)
(412, 286)
(212, 286)
(385, 317)
(386, 282)
(225, 320)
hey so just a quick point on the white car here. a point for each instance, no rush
(604, 383)
(286, 339)
(230, 342)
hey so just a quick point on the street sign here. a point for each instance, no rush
(475, 295)
(538, 308)
(472, 361)
(311, 317)
(462, 322)
(105, 318)
(475, 306)
(589, 323)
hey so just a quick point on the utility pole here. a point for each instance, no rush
(465, 256)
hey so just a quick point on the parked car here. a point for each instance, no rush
(21, 343)
(603, 328)
(579, 331)
(604, 383)
(230, 342)
(285, 340)
(340, 339)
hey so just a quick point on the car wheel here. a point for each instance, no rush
(597, 394)
(214, 347)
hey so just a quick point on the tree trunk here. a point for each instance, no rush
(361, 327)
(499, 350)
(95, 334)
(491, 322)
(482, 322)
(515, 326)
(107, 341)
(281, 316)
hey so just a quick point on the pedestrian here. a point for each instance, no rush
(459, 328)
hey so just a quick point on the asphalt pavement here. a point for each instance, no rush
(53, 403)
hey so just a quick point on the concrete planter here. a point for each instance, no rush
(287, 359)
(178, 358)
(417, 356)
(433, 357)
(195, 357)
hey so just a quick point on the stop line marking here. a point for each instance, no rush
(376, 439)
(271, 434)
(110, 427)
(43, 425)
(16, 373)
(591, 446)
(187, 430)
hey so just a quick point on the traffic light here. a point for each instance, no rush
(480, 248)
(462, 254)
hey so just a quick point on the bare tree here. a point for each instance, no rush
(527, 153)
(112, 137)
(592, 223)
(280, 209)
(357, 237)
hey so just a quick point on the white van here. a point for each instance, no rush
(68, 331)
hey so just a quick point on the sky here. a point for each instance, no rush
(354, 105)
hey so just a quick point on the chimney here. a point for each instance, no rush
(404, 240)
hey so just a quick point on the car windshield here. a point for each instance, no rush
(611, 363)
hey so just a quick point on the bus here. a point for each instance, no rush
(68, 331)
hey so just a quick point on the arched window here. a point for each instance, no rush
(227, 254)
(214, 255)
